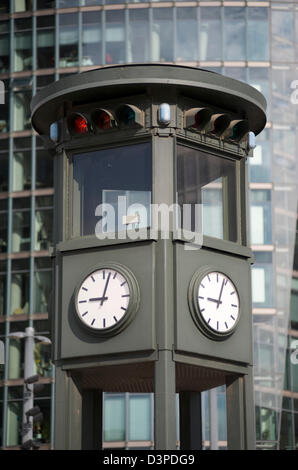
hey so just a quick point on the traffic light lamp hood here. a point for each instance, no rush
(108, 83)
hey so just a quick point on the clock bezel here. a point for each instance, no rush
(194, 306)
(132, 307)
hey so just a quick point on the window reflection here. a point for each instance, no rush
(45, 42)
(4, 112)
(14, 423)
(202, 180)
(21, 110)
(234, 33)
(4, 46)
(114, 417)
(68, 40)
(22, 5)
(23, 45)
(186, 30)
(3, 225)
(260, 217)
(257, 34)
(138, 35)
(210, 35)
(282, 36)
(92, 38)
(19, 289)
(44, 167)
(118, 177)
(20, 240)
(43, 223)
(139, 417)
(3, 279)
(115, 37)
(162, 35)
(262, 280)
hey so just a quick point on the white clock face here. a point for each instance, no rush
(218, 302)
(103, 299)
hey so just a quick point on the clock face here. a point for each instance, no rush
(103, 299)
(218, 302)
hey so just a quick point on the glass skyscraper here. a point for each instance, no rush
(253, 41)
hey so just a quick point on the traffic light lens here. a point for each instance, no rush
(103, 121)
(80, 125)
(127, 116)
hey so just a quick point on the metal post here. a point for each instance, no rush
(28, 388)
(92, 419)
(165, 402)
(236, 434)
(190, 421)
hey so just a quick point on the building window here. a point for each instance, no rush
(19, 287)
(114, 417)
(210, 35)
(92, 38)
(162, 35)
(42, 284)
(21, 225)
(260, 217)
(22, 5)
(138, 35)
(140, 416)
(4, 113)
(44, 167)
(115, 37)
(3, 170)
(43, 222)
(21, 110)
(21, 164)
(4, 6)
(45, 4)
(14, 423)
(202, 181)
(68, 40)
(262, 280)
(119, 180)
(257, 34)
(4, 46)
(23, 45)
(282, 36)
(45, 42)
(3, 279)
(234, 33)
(186, 34)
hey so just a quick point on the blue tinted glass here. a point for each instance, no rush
(234, 33)
(114, 418)
(257, 34)
(139, 418)
(210, 34)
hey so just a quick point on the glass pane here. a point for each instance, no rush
(139, 418)
(187, 36)
(2, 294)
(202, 179)
(42, 290)
(114, 418)
(68, 40)
(117, 178)
(19, 294)
(262, 280)
(282, 35)
(42, 359)
(260, 217)
(4, 6)
(4, 113)
(92, 38)
(4, 46)
(44, 169)
(22, 5)
(14, 423)
(162, 35)
(234, 33)
(23, 45)
(21, 111)
(257, 34)
(115, 37)
(138, 35)
(3, 172)
(45, 42)
(20, 231)
(3, 225)
(286, 431)
(45, 4)
(43, 229)
(16, 359)
(210, 39)
(42, 430)
(21, 168)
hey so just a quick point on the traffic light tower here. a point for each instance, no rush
(140, 304)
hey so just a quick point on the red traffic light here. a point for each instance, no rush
(78, 124)
(102, 119)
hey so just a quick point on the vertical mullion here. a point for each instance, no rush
(80, 35)
(103, 36)
(174, 19)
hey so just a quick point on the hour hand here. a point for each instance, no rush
(94, 299)
(214, 300)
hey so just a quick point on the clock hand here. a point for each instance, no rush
(98, 298)
(105, 289)
(222, 286)
(214, 300)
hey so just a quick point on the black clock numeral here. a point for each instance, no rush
(217, 325)
(203, 286)
(114, 277)
(125, 295)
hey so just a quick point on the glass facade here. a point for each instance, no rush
(41, 41)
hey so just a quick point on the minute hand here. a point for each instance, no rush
(222, 286)
(105, 290)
